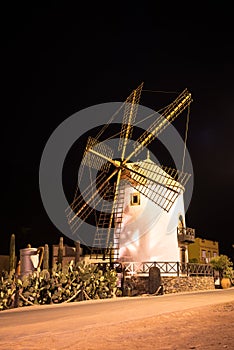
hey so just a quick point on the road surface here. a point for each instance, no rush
(35, 324)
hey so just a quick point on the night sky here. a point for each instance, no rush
(58, 59)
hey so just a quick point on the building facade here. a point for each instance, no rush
(202, 250)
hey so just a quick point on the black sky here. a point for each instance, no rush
(58, 59)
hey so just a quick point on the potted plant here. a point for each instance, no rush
(223, 265)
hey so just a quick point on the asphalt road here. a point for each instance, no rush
(63, 318)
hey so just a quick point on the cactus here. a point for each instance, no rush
(46, 258)
(77, 256)
(60, 251)
(12, 255)
(72, 283)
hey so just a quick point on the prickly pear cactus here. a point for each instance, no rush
(74, 282)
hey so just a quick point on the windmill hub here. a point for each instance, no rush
(117, 163)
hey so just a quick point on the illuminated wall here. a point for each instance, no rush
(148, 232)
(202, 250)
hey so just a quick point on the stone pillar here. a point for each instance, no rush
(154, 279)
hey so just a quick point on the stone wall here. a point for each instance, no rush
(187, 284)
(138, 285)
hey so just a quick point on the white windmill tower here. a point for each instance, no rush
(141, 201)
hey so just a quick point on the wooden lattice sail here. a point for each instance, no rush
(159, 184)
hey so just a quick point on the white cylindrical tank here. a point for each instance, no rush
(29, 260)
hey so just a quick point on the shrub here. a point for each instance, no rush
(71, 283)
(223, 265)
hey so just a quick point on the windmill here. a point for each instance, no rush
(157, 184)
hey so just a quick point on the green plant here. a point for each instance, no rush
(229, 272)
(223, 265)
(35, 289)
(60, 251)
(73, 282)
(77, 252)
(12, 254)
(46, 258)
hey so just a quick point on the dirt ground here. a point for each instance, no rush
(210, 327)
(204, 328)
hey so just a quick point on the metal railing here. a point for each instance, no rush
(193, 269)
(186, 234)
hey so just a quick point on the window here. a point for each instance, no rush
(214, 254)
(203, 255)
(135, 198)
(181, 222)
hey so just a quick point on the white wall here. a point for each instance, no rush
(148, 232)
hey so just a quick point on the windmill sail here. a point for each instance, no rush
(99, 159)
(84, 204)
(170, 114)
(100, 242)
(106, 239)
(161, 185)
(130, 112)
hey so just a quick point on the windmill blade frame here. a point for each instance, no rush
(97, 155)
(157, 185)
(75, 220)
(130, 112)
(169, 115)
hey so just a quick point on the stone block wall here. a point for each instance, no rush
(187, 284)
(138, 285)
